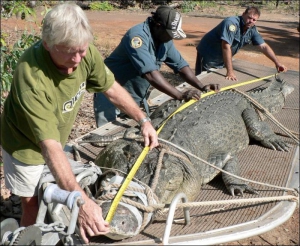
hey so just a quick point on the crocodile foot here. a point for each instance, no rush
(239, 189)
(276, 143)
(233, 184)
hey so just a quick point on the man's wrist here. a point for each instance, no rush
(180, 96)
(142, 121)
(203, 88)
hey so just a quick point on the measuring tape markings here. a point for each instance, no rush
(145, 151)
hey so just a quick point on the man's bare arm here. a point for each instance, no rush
(227, 57)
(187, 74)
(268, 52)
(123, 101)
(158, 81)
(90, 217)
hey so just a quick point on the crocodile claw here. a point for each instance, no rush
(276, 143)
(237, 189)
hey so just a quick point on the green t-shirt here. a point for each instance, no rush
(43, 103)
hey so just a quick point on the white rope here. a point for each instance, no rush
(229, 202)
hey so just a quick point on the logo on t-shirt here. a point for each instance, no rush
(69, 105)
(136, 42)
(232, 28)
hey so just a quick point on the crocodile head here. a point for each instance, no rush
(273, 97)
(174, 175)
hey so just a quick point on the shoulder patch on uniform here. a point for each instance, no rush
(232, 28)
(136, 42)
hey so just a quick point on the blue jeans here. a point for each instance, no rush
(203, 65)
(106, 112)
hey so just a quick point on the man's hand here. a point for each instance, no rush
(214, 87)
(90, 220)
(231, 76)
(227, 58)
(191, 94)
(281, 68)
(149, 134)
(195, 94)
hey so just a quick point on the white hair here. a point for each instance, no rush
(66, 24)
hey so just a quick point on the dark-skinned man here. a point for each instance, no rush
(136, 61)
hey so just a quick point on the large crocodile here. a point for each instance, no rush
(214, 128)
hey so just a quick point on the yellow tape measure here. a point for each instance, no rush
(125, 184)
(145, 151)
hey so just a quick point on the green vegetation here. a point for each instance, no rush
(103, 6)
(281, 6)
(291, 7)
(18, 8)
(188, 6)
(221, 9)
(10, 54)
(9, 59)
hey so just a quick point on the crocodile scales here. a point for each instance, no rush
(214, 128)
